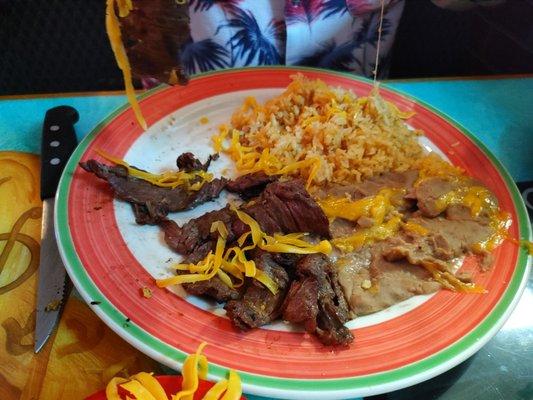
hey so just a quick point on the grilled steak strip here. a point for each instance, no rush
(251, 185)
(284, 207)
(259, 306)
(315, 299)
(151, 203)
(188, 162)
(214, 287)
(197, 231)
(287, 207)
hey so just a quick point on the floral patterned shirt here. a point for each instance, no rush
(334, 34)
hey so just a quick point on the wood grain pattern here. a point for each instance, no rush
(84, 354)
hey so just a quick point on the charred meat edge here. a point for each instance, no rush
(151, 204)
(258, 305)
(316, 300)
(284, 207)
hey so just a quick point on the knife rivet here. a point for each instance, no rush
(54, 143)
(55, 161)
(54, 128)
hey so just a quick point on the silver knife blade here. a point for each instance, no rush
(58, 141)
(52, 279)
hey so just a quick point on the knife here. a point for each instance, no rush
(57, 144)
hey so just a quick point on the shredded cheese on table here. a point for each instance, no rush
(195, 366)
(111, 390)
(145, 387)
(115, 38)
(226, 262)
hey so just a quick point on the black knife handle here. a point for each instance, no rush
(57, 144)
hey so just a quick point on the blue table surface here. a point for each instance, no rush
(497, 111)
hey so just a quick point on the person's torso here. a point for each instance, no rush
(335, 34)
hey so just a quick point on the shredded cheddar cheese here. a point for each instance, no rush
(376, 207)
(145, 387)
(151, 384)
(480, 200)
(111, 390)
(252, 159)
(124, 7)
(142, 385)
(449, 280)
(290, 244)
(381, 208)
(220, 227)
(401, 114)
(477, 198)
(232, 262)
(193, 180)
(194, 367)
(413, 227)
(432, 165)
(500, 221)
(217, 390)
(138, 390)
(234, 390)
(368, 235)
(115, 38)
